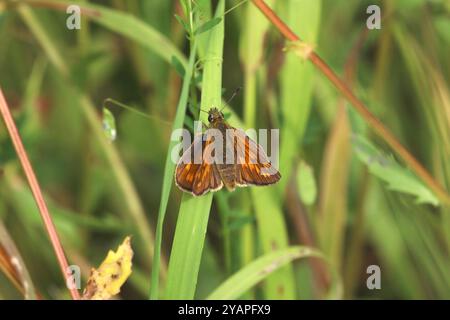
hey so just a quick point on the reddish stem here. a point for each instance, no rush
(34, 185)
(359, 106)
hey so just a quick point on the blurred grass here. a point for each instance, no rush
(133, 204)
(57, 79)
(270, 223)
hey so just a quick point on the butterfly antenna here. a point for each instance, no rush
(196, 108)
(236, 91)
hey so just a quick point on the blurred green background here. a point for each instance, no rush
(342, 192)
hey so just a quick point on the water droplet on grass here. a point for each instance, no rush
(109, 125)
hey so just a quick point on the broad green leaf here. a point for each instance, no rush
(183, 23)
(178, 66)
(386, 168)
(208, 25)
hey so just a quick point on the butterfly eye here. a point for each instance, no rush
(210, 118)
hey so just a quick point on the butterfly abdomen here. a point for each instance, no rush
(227, 173)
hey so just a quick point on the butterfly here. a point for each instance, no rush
(236, 161)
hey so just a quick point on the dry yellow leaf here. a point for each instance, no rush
(107, 280)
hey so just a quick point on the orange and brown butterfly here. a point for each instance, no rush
(251, 165)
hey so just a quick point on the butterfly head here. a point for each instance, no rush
(214, 115)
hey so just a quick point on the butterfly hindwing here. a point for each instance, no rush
(197, 178)
(253, 166)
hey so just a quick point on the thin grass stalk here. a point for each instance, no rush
(37, 193)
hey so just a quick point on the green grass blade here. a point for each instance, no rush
(295, 106)
(169, 171)
(297, 79)
(187, 247)
(193, 216)
(333, 205)
(251, 51)
(247, 277)
(128, 26)
(273, 235)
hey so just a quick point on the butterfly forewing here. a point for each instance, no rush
(253, 166)
(197, 177)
